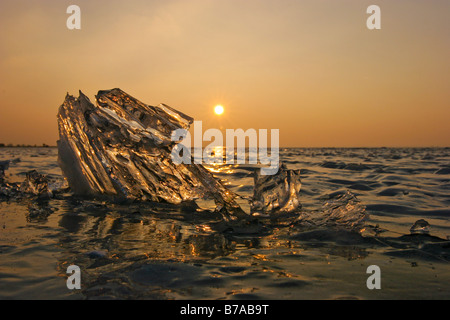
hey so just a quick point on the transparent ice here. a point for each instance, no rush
(121, 148)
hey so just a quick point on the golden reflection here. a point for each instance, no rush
(204, 228)
(193, 250)
(261, 257)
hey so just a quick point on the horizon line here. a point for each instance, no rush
(44, 145)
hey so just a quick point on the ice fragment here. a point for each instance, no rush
(121, 148)
(276, 193)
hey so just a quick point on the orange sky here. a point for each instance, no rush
(308, 68)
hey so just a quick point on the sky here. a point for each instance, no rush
(311, 69)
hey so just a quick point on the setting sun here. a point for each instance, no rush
(218, 109)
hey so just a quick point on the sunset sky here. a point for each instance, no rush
(310, 68)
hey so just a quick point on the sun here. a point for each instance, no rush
(218, 109)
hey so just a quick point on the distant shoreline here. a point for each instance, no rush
(2, 145)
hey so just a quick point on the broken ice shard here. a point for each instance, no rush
(121, 148)
(420, 227)
(36, 184)
(276, 193)
(343, 210)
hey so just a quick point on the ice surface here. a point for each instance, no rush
(276, 193)
(121, 148)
